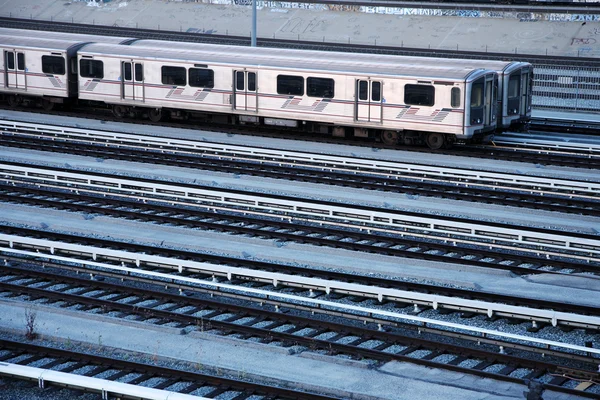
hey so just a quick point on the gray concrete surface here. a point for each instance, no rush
(468, 29)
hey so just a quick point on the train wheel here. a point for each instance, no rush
(13, 100)
(155, 115)
(119, 111)
(389, 137)
(435, 141)
(47, 105)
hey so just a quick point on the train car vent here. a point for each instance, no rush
(56, 54)
(200, 65)
(425, 82)
(442, 83)
(87, 56)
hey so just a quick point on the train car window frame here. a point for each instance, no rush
(127, 72)
(376, 91)
(201, 77)
(419, 95)
(363, 90)
(478, 94)
(251, 81)
(455, 97)
(138, 72)
(91, 68)
(10, 60)
(21, 61)
(290, 85)
(54, 65)
(173, 76)
(320, 87)
(514, 86)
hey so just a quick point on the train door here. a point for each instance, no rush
(369, 101)
(525, 92)
(490, 99)
(132, 82)
(244, 91)
(14, 73)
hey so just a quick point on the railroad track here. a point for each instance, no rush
(408, 234)
(510, 148)
(170, 266)
(473, 354)
(413, 179)
(128, 378)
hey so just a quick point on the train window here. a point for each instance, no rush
(127, 71)
(91, 69)
(173, 75)
(239, 79)
(201, 77)
(10, 60)
(514, 85)
(53, 65)
(139, 72)
(287, 84)
(320, 87)
(375, 91)
(363, 90)
(419, 95)
(455, 97)
(21, 61)
(252, 81)
(477, 94)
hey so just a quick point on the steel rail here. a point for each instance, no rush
(389, 169)
(582, 247)
(211, 310)
(149, 371)
(87, 255)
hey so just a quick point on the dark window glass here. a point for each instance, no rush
(21, 61)
(287, 84)
(173, 75)
(375, 91)
(202, 77)
(514, 84)
(419, 95)
(10, 60)
(91, 69)
(139, 72)
(239, 80)
(455, 97)
(252, 81)
(127, 71)
(363, 90)
(53, 65)
(477, 94)
(320, 87)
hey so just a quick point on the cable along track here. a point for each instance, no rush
(421, 345)
(552, 194)
(364, 228)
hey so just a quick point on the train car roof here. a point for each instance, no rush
(496, 65)
(319, 61)
(38, 44)
(65, 36)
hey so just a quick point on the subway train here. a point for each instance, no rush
(394, 99)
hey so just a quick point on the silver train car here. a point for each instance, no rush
(35, 70)
(394, 101)
(514, 85)
(433, 105)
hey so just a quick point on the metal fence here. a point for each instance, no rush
(565, 87)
